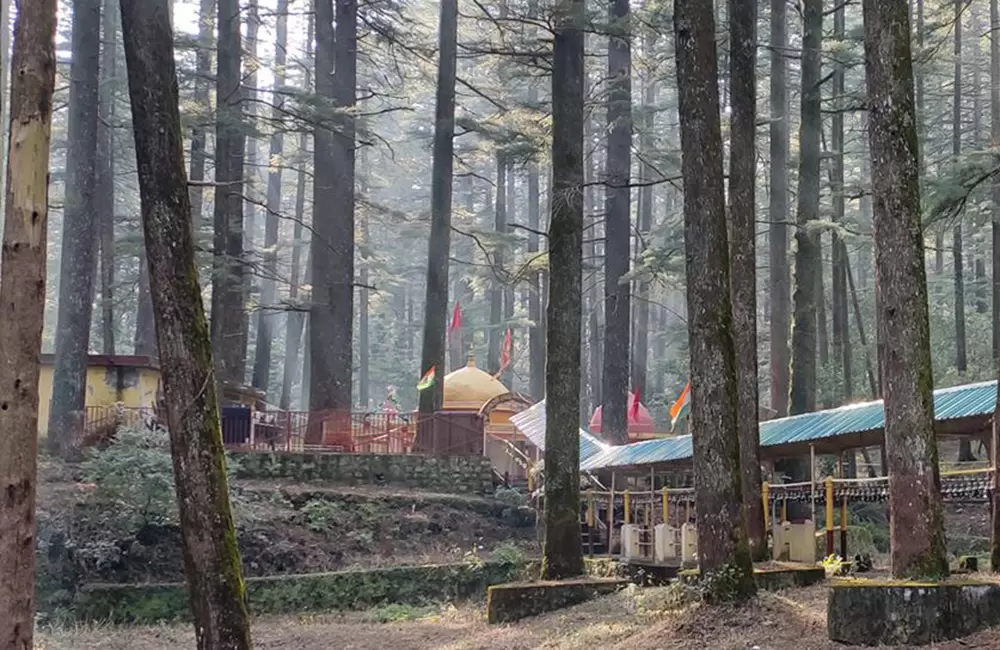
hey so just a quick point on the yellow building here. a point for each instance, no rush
(470, 389)
(134, 382)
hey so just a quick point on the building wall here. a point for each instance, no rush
(134, 387)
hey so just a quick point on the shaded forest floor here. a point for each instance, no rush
(789, 620)
(282, 528)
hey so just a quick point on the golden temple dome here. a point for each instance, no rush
(469, 388)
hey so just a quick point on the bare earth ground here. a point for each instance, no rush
(790, 620)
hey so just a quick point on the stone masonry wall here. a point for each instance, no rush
(450, 474)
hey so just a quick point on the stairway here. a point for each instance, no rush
(593, 540)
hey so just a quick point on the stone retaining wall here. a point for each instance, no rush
(318, 592)
(452, 474)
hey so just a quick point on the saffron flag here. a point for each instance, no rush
(428, 379)
(680, 406)
(456, 319)
(505, 351)
(634, 412)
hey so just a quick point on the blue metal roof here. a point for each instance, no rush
(531, 423)
(970, 400)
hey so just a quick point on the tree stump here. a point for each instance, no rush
(909, 613)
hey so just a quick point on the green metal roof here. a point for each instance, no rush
(970, 400)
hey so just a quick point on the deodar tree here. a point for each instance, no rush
(723, 550)
(743, 256)
(22, 294)
(211, 556)
(563, 553)
(915, 518)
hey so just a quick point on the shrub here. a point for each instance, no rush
(321, 514)
(133, 480)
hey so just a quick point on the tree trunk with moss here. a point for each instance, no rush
(723, 549)
(211, 556)
(743, 258)
(78, 261)
(22, 294)
(916, 524)
(563, 552)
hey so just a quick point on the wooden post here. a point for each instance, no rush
(829, 516)
(812, 478)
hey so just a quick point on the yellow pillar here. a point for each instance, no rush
(590, 509)
(687, 512)
(666, 502)
(628, 515)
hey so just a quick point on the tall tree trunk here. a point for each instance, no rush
(202, 98)
(841, 331)
(507, 378)
(536, 336)
(961, 361)
(779, 282)
(104, 200)
(268, 294)
(802, 396)
(251, 165)
(803, 391)
(915, 518)
(77, 259)
(995, 225)
(144, 344)
(332, 317)
(640, 352)
(618, 226)
(563, 553)
(722, 536)
(743, 258)
(593, 303)
(296, 317)
(22, 293)
(496, 283)
(364, 347)
(995, 195)
(211, 555)
(228, 291)
(439, 246)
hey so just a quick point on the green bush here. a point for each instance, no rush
(133, 480)
(321, 514)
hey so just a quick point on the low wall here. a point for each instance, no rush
(318, 592)
(512, 602)
(453, 474)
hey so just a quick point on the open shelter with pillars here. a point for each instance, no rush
(650, 482)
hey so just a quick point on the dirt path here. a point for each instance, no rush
(791, 620)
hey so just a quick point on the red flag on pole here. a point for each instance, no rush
(456, 319)
(634, 412)
(505, 351)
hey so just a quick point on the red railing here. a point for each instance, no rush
(331, 431)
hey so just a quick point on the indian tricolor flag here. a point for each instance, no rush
(428, 379)
(680, 407)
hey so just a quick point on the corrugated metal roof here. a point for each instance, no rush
(531, 423)
(954, 403)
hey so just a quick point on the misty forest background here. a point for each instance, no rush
(250, 102)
